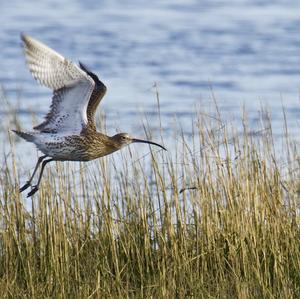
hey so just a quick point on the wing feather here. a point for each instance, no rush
(97, 95)
(72, 87)
(49, 67)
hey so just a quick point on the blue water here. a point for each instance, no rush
(247, 52)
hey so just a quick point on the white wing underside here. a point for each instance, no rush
(72, 87)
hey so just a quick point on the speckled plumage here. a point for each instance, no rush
(68, 132)
(87, 146)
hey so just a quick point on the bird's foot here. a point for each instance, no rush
(27, 185)
(33, 190)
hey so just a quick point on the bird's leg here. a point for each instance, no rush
(28, 183)
(36, 187)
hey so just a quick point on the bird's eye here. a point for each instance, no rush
(123, 138)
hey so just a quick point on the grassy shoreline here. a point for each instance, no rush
(217, 219)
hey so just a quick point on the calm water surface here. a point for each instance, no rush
(247, 51)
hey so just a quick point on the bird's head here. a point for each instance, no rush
(123, 139)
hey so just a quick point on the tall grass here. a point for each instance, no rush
(217, 217)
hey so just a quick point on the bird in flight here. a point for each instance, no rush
(68, 132)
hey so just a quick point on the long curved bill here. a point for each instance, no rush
(149, 142)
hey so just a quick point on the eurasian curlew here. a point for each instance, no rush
(68, 132)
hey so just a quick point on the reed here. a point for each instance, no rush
(216, 217)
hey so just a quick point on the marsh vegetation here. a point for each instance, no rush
(216, 217)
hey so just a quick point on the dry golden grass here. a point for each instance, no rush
(218, 217)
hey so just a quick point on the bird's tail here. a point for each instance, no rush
(27, 136)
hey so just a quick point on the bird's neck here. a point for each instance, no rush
(105, 145)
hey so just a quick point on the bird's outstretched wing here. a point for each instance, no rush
(72, 87)
(97, 95)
